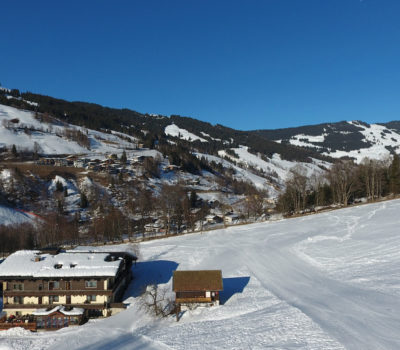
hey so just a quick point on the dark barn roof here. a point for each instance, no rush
(188, 281)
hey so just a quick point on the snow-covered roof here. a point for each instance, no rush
(73, 312)
(66, 264)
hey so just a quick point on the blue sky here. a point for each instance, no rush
(244, 64)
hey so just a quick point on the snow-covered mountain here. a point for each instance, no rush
(53, 137)
(353, 139)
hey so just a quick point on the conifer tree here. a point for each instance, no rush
(394, 175)
(84, 201)
(123, 157)
(14, 151)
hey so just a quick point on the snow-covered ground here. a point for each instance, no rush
(49, 137)
(10, 216)
(326, 281)
(275, 165)
(174, 130)
(379, 136)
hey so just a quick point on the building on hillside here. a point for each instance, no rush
(231, 218)
(213, 219)
(61, 162)
(82, 284)
(197, 287)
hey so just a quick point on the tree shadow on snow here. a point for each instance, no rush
(232, 286)
(149, 272)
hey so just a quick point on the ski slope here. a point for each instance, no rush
(326, 281)
(10, 216)
(49, 137)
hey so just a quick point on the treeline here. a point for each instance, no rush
(344, 183)
(54, 230)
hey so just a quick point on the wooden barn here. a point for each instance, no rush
(197, 287)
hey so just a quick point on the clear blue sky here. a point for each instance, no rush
(244, 64)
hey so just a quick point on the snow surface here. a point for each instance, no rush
(379, 135)
(241, 174)
(62, 309)
(49, 136)
(174, 130)
(22, 263)
(307, 140)
(326, 281)
(10, 216)
(275, 167)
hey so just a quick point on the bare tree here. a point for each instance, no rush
(171, 198)
(342, 179)
(156, 301)
(371, 173)
(296, 187)
(317, 181)
(254, 205)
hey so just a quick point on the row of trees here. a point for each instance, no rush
(344, 183)
(54, 230)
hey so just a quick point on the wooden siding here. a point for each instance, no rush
(192, 300)
(41, 306)
(30, 326)
(65, 284)
(44, 293)
(200, 294)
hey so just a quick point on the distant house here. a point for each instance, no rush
(153, 227)
(61, 162)
(81, 163)
(58, 317)
(213, 219)
(171, 167)
(197, 287)
(45, 161)
(231, 218)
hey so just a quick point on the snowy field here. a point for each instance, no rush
(327, 281)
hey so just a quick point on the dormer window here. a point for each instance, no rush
(58, 266)
(72, 265)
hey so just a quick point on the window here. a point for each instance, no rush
(53, 299)
(18, 300)
(54, 285)
(18, 286)
(90, 298)
(91, 284)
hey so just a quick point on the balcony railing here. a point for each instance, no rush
(193, 300)
(41, 293)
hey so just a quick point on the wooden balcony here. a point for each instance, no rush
(193, 300)
(87, 306)
(43, 293)
(30, 326)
